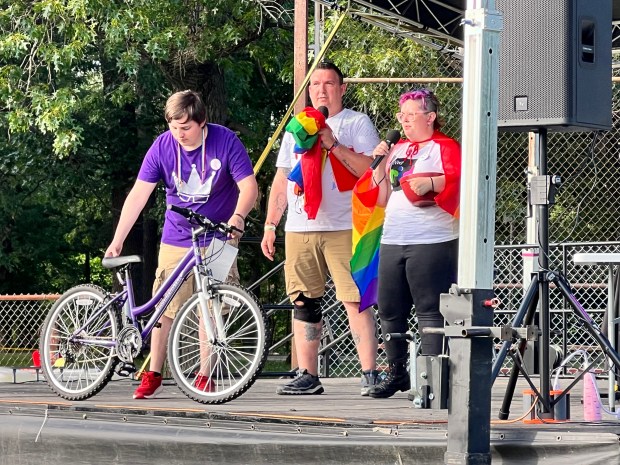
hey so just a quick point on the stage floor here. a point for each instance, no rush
(338, 426)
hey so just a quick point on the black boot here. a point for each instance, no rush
(396, 380)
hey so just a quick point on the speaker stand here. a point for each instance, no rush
(541, 193)
(542, 205)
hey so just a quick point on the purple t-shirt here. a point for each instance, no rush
(206, 184)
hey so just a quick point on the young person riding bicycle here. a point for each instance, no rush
(204, 167)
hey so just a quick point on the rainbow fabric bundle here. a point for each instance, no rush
(304, 128)
(307, 174)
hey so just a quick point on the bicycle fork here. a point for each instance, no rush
(207, 302)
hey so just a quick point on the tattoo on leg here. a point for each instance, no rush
(313, 332)
(356, 338)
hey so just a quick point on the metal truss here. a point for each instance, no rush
(433, 23)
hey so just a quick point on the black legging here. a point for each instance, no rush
(414, 274)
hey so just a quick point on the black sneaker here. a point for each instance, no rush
(304, 383)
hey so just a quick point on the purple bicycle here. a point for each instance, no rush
(220, 332)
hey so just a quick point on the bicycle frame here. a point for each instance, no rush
(160, 300)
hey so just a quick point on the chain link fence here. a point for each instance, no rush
(21, 317)
(585, 212)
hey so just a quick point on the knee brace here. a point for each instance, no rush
(307, 309)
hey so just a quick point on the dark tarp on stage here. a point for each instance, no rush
(126, 438)
(260, 427)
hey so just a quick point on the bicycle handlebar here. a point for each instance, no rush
(203, 220)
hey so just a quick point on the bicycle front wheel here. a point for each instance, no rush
(221, 369)
(78, 343)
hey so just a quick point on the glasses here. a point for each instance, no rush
(400, 116)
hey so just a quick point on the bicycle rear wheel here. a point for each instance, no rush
(77, 359)
(214, 372)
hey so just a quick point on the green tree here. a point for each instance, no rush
(82, 87)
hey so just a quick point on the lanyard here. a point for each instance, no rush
(203, 157)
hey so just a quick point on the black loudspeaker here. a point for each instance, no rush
(555, 65)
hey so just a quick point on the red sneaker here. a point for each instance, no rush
(203, 383)
(149, 387)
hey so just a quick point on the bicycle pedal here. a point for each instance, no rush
(125, 369)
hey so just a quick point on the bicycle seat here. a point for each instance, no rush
(113, 262)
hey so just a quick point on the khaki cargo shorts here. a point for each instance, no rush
(169, 257)
(309, 257)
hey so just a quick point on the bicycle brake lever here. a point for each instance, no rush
(234, 228)
(228, 229)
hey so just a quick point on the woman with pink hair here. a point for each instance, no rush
(419, 179)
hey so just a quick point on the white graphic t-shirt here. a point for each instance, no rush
(405, 223)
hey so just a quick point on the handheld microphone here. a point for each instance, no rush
(391, 138)
(324, 111)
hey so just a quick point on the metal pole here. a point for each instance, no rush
(469, 410)
(530, 256)
(611, 335)
(479, 146)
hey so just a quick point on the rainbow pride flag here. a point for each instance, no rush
(367, 229)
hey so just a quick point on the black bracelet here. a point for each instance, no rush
(240, 216)
(432, 184)
(334, 145)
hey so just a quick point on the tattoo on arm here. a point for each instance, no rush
(278, 196)
(281, 204)
(349, 167)
(313, 332)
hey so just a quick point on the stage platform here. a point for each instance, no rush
(260, 427)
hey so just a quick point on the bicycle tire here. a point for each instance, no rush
(232, 365)
(73, 370)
